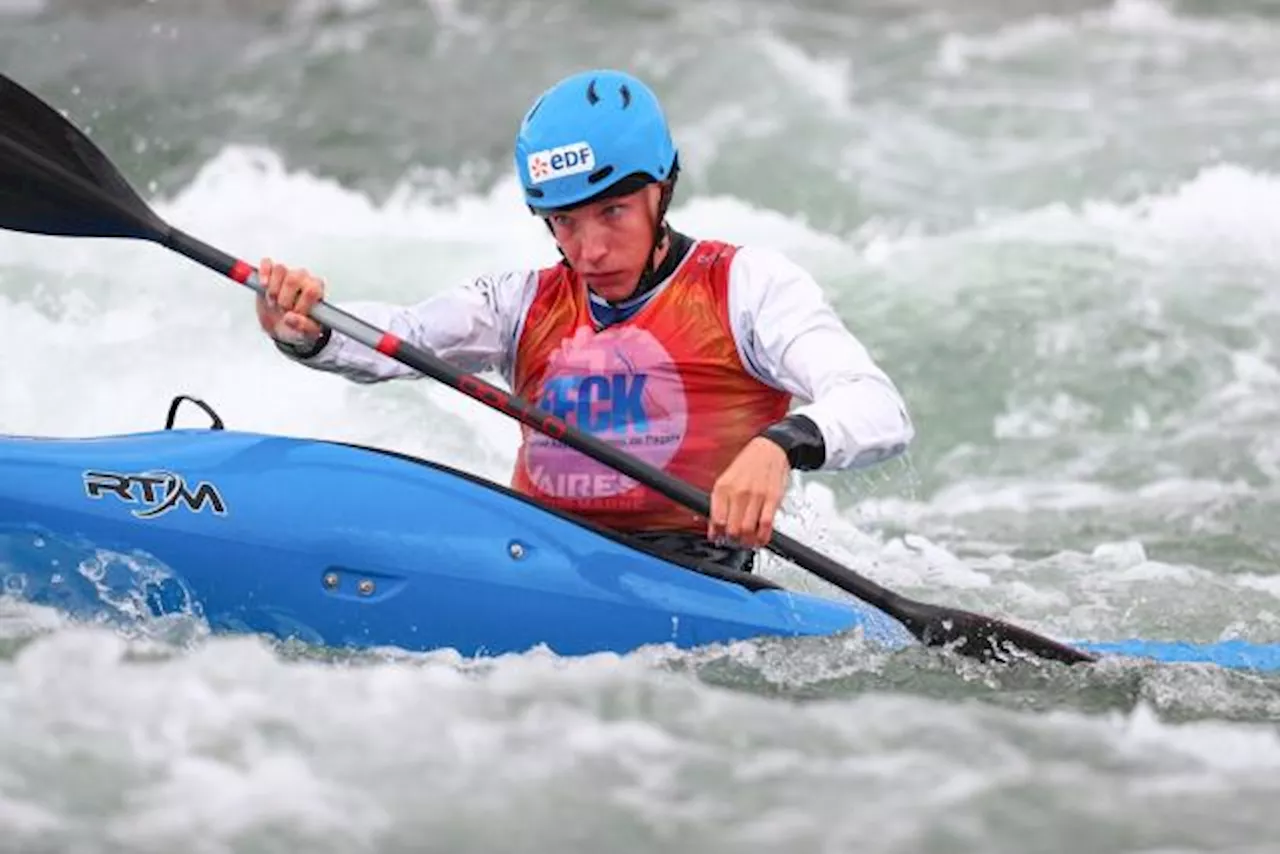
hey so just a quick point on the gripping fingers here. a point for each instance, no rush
(744, 517)
(719, 513)
(300, 291)
(287, 297)
(271, 276)
(310, 292)
(764, 530)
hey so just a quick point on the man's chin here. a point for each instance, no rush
(612, 288)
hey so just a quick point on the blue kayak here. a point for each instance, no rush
(348, 546)
(342, 545)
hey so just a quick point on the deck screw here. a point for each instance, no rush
(365, 586)
(330, 580)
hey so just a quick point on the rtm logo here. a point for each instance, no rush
(158, 492)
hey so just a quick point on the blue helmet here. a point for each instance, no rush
(588, 133)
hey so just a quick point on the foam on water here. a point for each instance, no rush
(21, 7)
(1144, 26)
(227, 748)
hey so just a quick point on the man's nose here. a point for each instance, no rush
(595, 243)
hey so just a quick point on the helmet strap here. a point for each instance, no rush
(647, 281)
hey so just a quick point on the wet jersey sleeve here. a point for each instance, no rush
(790, 337)
(473, 327)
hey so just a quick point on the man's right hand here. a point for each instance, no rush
(283, 309)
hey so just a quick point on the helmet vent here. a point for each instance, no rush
(626, 95)
(599, 175)
(592, 97)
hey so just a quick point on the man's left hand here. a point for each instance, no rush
(747, 494)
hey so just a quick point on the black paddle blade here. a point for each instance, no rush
(972, 635)
(983, 638)
(53, 180)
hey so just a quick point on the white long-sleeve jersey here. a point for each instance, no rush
(787, 335)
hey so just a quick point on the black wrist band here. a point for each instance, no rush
(801, 439)
(306, 351)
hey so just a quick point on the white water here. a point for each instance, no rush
(225, 749)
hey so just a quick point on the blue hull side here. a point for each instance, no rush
(345, 546)
(1234, 654)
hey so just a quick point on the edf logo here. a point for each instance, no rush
(560, 162)
(598, 403)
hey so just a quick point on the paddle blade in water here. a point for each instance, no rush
(972, 635)
(983, 638)
(54, 180)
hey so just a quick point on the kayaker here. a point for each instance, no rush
(686, 352)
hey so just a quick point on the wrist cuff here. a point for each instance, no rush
(801, 439)
(305, 351)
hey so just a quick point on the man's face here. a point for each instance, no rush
(608, 242)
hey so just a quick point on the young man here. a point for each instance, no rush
(685, 352)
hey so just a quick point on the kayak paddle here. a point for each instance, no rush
(55, 181)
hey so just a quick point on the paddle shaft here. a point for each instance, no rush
(539, 419)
